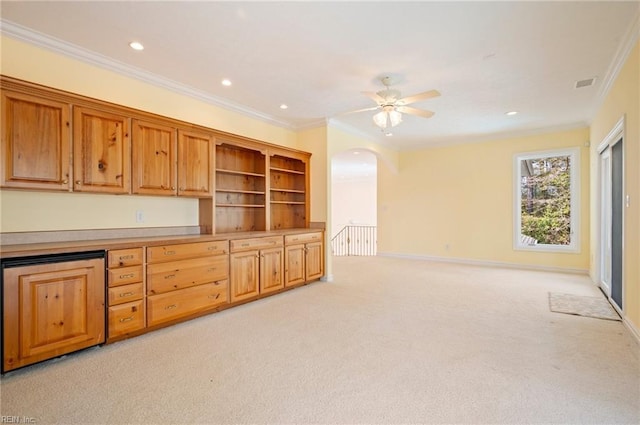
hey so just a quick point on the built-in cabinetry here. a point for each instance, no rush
(36, 143)
(257, 266)
(53, 140)
(304, 258)
(240, 188)
(170, 161)
(185, 279)
(51, 306)
(126, 292)
(289, 186)
(102, 151)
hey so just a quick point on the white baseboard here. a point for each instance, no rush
(327, 278)
(485, 263)
(632, 329)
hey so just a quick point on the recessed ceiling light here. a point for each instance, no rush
(511, 113)
(356, 153)
(136, 45)
(226, 82)
(283, 106)
(388, 134)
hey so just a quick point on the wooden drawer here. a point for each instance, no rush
(303, 238)
(126, 318)
(174, 275)
(255, 243)
(158, 254)
(183, 302)
(126, 293)
(125, 257)
(125, 275)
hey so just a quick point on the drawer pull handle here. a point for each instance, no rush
(212, 269)
(170, 276)
(245, 244)
(126, 294)
(169, 253)
(170, 307)
(215, 297)
(212, 248)
(126, 319)
(126, 276)
(126, 257)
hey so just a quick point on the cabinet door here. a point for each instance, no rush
(36, 143)
(294, 271)
(154, 159)
(102, 152)
(244, 275)
(314, 261)
(271, 270)
(195, 164)
(52, 309)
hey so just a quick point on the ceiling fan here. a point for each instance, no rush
(392, 106)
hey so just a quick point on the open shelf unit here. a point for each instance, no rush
(289, 184)
(240, 199)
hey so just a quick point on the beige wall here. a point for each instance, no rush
(31, 211)
(315, 142)
(457, 202)
(623, 100)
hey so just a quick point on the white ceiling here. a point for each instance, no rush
(486, 58)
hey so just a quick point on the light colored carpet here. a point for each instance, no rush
(580, 305)
(390, 341)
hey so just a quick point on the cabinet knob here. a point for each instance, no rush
(78, 182)
(173, 188)
(65, 181)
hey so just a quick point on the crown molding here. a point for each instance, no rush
(21, 33)
(629, 40)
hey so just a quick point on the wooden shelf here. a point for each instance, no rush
(241, 205)
(286, 170)
(238, 173)
(250, 192)
(287, 190)
(288, 202)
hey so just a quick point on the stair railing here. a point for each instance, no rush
(355, 241)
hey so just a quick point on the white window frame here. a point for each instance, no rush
(574, 158)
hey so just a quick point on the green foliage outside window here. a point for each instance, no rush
(546, 200)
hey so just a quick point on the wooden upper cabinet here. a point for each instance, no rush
(102, 152)
(154, 159)
(195, 164)
(36, 143)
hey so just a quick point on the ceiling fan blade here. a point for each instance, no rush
(415, 111)
(373, 108)
(417, 97)
(376, 98)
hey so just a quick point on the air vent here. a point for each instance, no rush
(585, 83)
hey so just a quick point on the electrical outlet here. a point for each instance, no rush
(139, 216)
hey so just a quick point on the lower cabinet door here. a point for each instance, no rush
(184, 302)
(294, 267)
(125, 318)
(314, 261)
(51, 310)
(244, 275)
(271, 270)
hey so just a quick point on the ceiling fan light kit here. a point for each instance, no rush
(392, 106)
(388, 117)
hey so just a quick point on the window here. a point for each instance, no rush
(546, 201)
